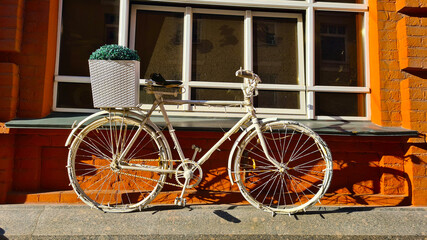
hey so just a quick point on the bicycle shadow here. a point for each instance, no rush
(2, 236)
(226, 216)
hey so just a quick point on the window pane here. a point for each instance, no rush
(277, 99)
(216, 94)
(217, 48)
(74, 95)
(79, 39)
(340, 104)
(158, 41)
(275, 50)
(339, 49)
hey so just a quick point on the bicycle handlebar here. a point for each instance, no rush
(251, 90)
(247, 74)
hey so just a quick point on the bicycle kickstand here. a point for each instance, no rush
(181, 201)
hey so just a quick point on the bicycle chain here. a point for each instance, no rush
(167, 183)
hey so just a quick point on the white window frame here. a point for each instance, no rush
(309, 6)
(248, 59)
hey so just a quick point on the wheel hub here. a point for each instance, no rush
(114, 165)
(189, 170)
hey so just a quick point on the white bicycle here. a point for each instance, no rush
(121, 160)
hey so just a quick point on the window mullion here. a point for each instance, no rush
(186, 63)
(366, 65)
(248, 45)
(310, 53)
(123, 22)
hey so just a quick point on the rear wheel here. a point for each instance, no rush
(96, 177)
(303, 175)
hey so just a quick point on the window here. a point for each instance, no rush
(310, 55)
(78, 40)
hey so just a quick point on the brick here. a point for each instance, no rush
(18, 197)
(8, 22)
(387, 35)
(419, 169)
(416, 31)
(6, 160)
(389, 65)
(8, 45)
(419, 198)
(400, 4)
(386, 25)
(415, 105)
(417, 149)
(51, 197)
(69, 197)
(8, 34)
(9, 10)
(416, 41)
(389, 6)
(417, 94)
(26, 180)
(417, 53)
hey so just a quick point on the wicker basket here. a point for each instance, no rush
(115, 83)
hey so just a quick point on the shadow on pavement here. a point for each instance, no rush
(2, 232)
(226, 216)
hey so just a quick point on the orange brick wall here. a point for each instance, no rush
(9, 85)
(412, 49)
(7, 151)
(398, 78)
(367, 170)
(33, 53)
(11, 20)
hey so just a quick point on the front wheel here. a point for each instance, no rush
(303, 174)
(96, 175)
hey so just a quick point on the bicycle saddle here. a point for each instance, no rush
(160, 80)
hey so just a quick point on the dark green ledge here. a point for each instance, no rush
(61, 120)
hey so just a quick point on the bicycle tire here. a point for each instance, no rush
(100, 184)
(305, 168)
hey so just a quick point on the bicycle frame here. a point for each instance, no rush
(160, 102)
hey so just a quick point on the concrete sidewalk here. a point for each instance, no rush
(211, 222)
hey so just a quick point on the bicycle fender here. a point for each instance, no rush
(236, 143)
(75, 128)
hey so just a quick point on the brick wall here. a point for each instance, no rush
(11, 20)
(367, 170)
(28, 40)
(7, 142)
(9, 85)
(412, 47)
(377, 170)
(398, 62)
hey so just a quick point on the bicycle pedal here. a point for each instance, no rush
(180, 202)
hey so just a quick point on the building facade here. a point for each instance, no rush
(355, 71)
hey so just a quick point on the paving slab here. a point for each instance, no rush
(211, 222)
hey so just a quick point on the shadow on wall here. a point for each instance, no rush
(367, 171)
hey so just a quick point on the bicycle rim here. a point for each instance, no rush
(304, 174)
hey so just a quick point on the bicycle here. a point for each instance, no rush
(120, 161)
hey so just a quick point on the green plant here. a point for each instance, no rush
(114, 52)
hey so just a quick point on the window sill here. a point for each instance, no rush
(60, 120)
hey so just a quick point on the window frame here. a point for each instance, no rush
(309, 6)
(248, 58)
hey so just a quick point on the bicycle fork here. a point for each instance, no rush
(264, 145)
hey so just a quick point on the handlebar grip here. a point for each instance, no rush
(245, 74)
